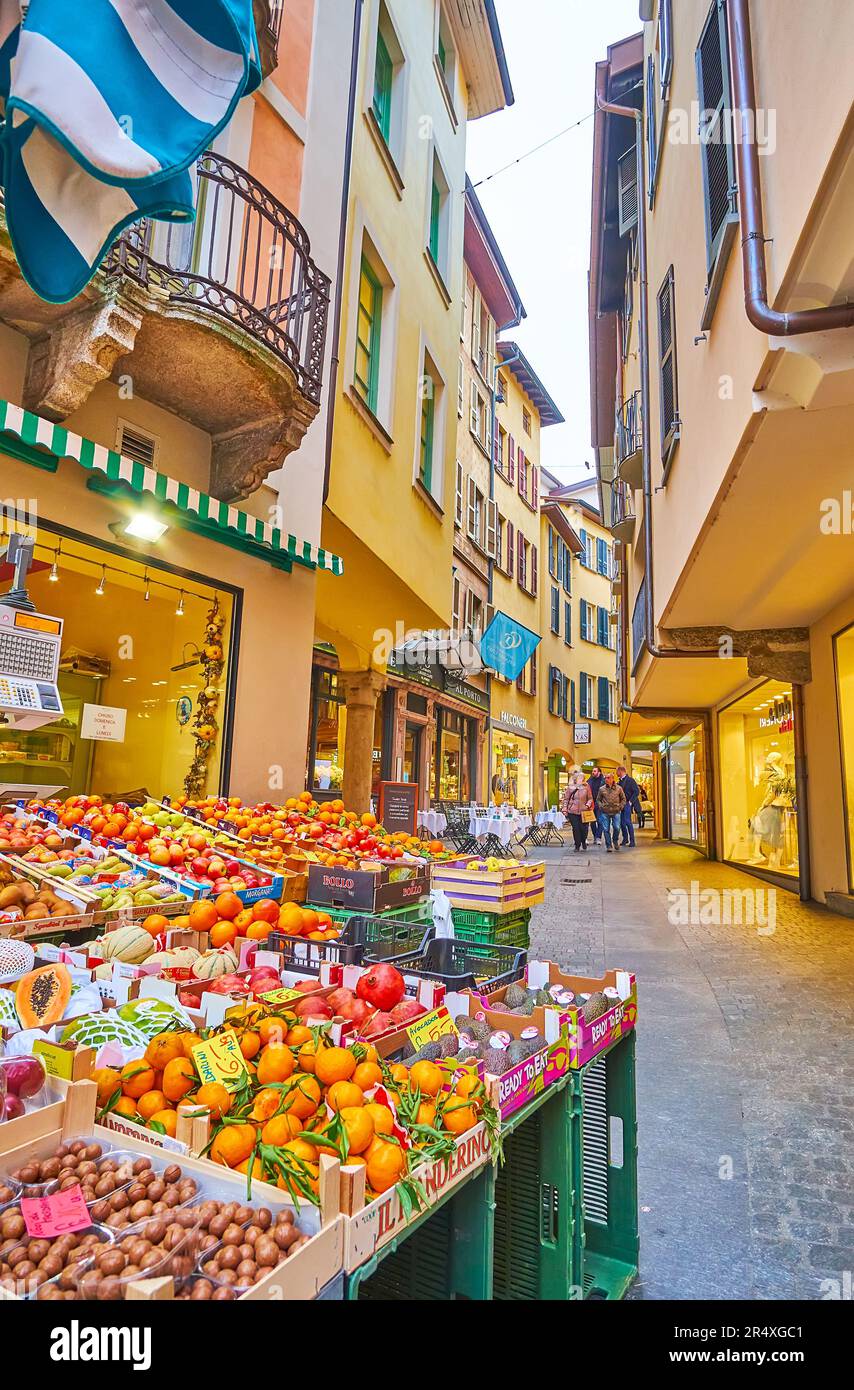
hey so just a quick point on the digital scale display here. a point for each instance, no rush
(37, 622)
(30, 646)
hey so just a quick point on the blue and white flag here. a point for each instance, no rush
(507, 646)
(106, 111)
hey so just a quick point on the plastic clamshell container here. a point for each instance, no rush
(87, 1283)
(44, 1189)
(239, 1289)
(24, 1288)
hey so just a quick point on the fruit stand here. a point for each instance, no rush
(440, 1116)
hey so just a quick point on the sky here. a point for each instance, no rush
(540, 209)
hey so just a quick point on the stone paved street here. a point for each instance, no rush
(745, 1072)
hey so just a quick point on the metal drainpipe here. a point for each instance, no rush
(760, 314)
(342, 243)
(802, 795)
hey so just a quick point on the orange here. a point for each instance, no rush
(302, 1149)
(202, 915)
(150, 1103)
(179, 1078)
(232, 1144)
(216, 1097)
(353, 1159)
(167, 1118)
(381, 1116)
(303, 1097)
(426, 1077)
(223, 934)
(309, 920)
(386, 1163)
(400, 1074)
(155, 923)
(243, 920)
(250, 1044)
(188, 1042)
(308, 1056)
(137, 1078)
(468, 1085)
(426, 1113)
(266, 1103)
(298, 1035)
(290, 920)
(344, 1093)
(107, 1080)
(359, 1127)
(125, 1107)
(265, 910)
(458, 1116)
(334, 1064)
(367, 1075)
(275, 1063)
(163, 1049)
(273, 1030)
(228, 905)
(371, 1054)
(258, 931)
(281, 1129)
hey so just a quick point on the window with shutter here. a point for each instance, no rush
(601, 556)
(458, 496)
(603, 699)
(665, 46)
(651, 130)
(510, 549)
(564, 697)
(583, 536)
(567, 567)
(366, 374)
(668, 384)
(521, 575)
(461, 390)
(584, 624)
(572, 701)
(551, 693)
(567, 622)
(474, 413)
(582, 691)
(521, 471)
(383, 79)
(555, 602)
(511, 459)
(627, 191)
(717, 156)
(491, 529)
(533, 668)
(469, 609)
(455, 613)
(552, 550)
(535, 570)
(535, 486)
(472, 511)
(603, 626)
(475, 327)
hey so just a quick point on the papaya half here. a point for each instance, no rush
(41, 996)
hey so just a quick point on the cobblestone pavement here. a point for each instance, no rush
(745, 1071)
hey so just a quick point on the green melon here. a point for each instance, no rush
(94, 1030)
(153, 1016)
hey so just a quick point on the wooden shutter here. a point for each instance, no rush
(491, 529)
(603, 699)
(572, 701)
(651, 131)
(583, 537)
(584, 711)
(535, 486)
(551, 695)
(475, 328)
(602, 626)
(533, 666)
(665, 46)
(471, 514)
(468, 619)
(510, 550)
(627, 191)
(583, 605)
(567, 622)
(511, 459)
(717, 157)
(455, 606)
(521, 577)
(668, 383)
(458, 496)
(520, 471)
(474, 414)
(555, 620)
(461, 391)
(535, 571)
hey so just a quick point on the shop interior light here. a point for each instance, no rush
(102, 586)
(145, 527)
(179, 611)
(54, 569)
(147, 595)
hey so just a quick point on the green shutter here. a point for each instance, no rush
(383, 75)
(425, 471)
(442, 53)
(435, 215)
(368, 328)
(717, 156)
(603, 698)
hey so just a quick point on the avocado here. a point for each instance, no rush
(514, 995)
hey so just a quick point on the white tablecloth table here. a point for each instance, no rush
(555, 818)
(434, 821)
(504, 827)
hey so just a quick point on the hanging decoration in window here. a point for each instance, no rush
(206, 722)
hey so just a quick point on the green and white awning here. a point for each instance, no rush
(199, 510)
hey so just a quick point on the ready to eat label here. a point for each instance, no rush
(56, 1215)
(220, 1059)
(430, 1027)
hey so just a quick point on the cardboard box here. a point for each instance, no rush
(32, 928)
(587, 1040)
(506, 889)
(529, 1078)
(372, 891)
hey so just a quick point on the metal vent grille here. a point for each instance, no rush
(521, 1212)
(137, 445)
(420, 1269)
(594, 1094)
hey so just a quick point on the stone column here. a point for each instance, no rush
(361, 690)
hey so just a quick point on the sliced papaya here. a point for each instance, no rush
(41, 996)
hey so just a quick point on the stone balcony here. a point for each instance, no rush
(223, 322)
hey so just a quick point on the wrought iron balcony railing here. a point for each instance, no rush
(246, 260)
(628, 439)
(622, 512)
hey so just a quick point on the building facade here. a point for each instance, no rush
(424, 70)
(721, 286)
(147, 430)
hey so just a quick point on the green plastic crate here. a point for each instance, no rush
(539, 1239)
(447, 1257)
(492, 928)
(414, 912)
(604, 1092)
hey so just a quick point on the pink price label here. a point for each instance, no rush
(56, 1215)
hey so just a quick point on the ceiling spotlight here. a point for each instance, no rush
(54, 569)
(101, 589)
(179, 611)
(147, 595)
(145, 527)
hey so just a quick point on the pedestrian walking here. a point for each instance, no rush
(610, 804)
(595, 782)
(579, 806)
(631, 791)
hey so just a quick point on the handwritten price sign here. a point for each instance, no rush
(57, 1215)
(220, 1059)
(430, 1027)
(282, 996)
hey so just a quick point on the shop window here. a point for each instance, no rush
(439, 219)
(845, 688)
(511, 769)
(158, 679)
(757, 760)
(686, 770)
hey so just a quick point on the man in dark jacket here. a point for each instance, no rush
(610, 804)
(631, 791)
(595, 782)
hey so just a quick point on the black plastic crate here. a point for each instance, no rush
(456, 964)
(297, 953)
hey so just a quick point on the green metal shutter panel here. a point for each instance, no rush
(383, 75)
(716, 149)
(572, 702)
(627, 191)
(669, 405)
(585, 712)
(603, 698)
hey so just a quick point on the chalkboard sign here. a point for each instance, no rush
(399, 806)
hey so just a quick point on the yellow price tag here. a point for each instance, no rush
(58, 1061)
(430, 1027)
(220, 1059)
(282, 996)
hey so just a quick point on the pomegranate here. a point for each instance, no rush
(228, 984)
(407, 1010)
(381, 985)
(380, 1023)
(356, 1010)
(313, 1008)
(338, 998)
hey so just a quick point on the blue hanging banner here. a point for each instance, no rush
(507, 646)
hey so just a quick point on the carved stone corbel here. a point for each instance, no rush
(781, 653)
(78, 352)
(242, 459)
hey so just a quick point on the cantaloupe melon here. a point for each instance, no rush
(131, 944)
(214, 963)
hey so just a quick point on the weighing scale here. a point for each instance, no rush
(30, 645)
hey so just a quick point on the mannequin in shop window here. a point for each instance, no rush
(769, 822)
(499, 789)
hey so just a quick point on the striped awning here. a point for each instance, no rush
(197, 508)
